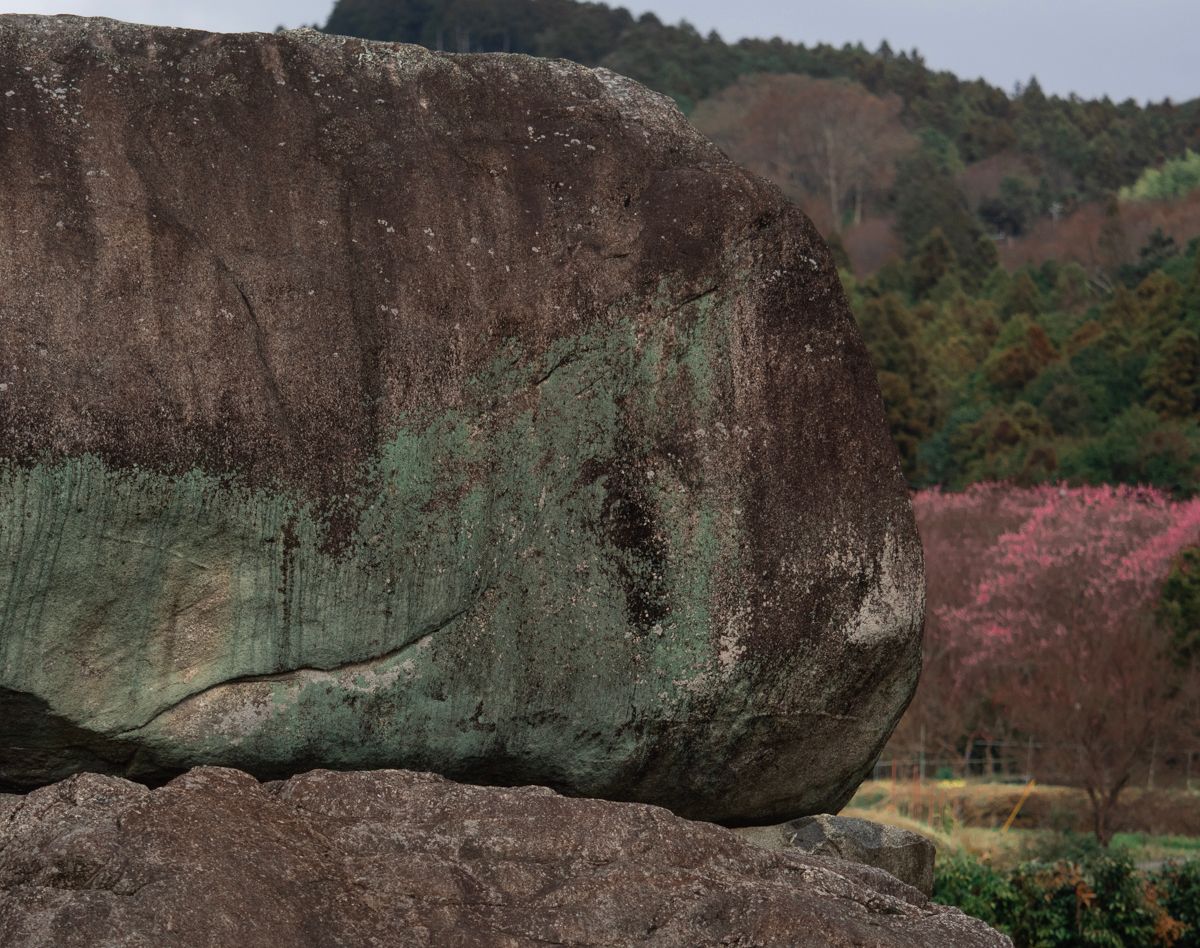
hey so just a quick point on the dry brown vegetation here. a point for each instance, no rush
(1080, 236)
(987, 805)
(829, 144)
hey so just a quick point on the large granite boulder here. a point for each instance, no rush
(363, 406)
(397, 858)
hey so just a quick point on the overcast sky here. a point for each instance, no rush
(1147, 49)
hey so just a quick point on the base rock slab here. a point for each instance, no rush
(399, 858)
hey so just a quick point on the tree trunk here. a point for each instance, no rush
(1099, 816)
(831, 177)
(1150, 772)
(1103, 805)
(968, 754)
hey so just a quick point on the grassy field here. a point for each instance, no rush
(1050, 824)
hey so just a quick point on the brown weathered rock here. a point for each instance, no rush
(362, 406)
(906, 855)
(397, 858)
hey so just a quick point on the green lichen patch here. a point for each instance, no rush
(535, 582)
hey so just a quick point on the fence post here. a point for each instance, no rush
(1150, 772)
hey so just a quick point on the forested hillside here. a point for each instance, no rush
(1088, 147)
(1024, 266)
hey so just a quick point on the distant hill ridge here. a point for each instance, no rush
(1085, 148)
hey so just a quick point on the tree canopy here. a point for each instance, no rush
(1083, 149)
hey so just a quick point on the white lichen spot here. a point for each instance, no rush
(729, 645)
(895, 603)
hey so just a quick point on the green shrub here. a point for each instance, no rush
(974, 887)
(1064, 846)
(1177, 889)
(1101, 900)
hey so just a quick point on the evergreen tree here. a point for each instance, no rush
(1113, 242)
(1014, 209)
(933, 261)
(903, 370)
(1011, 368)
(928, 197)
(1172, 379)
(1191, 299)
(1023, 296)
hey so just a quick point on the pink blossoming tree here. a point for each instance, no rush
(1043, 622)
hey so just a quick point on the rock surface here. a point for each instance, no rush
(398, 858)
(906, 855)
(363, 406)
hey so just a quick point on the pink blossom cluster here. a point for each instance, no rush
(1009, 565)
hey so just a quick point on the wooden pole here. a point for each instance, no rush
(1020, 803)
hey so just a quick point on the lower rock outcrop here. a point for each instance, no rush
(906, 855)
(402, 858)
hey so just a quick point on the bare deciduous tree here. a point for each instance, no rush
(813, 137)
